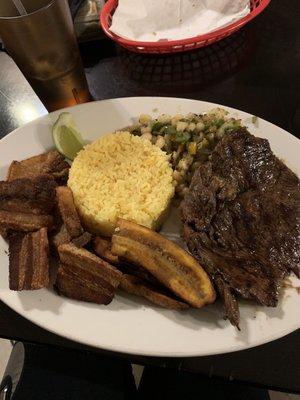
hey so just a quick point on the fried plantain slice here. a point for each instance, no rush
(133, 285)
(102, 247)
(169, 263)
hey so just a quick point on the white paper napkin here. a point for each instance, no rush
(153, 20)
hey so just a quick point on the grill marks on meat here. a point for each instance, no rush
(51, 163)
(242, 220)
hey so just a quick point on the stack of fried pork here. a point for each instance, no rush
(39, 219)
(27, 200)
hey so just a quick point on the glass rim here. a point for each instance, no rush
(51, 2)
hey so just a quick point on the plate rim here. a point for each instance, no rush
(236, 347)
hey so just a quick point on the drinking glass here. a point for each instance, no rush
(43, 44)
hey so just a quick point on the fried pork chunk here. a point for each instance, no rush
(84, 276)
(61, 236)
(29, 260)
(30, 196)
(70, 228)
(84, 260)
(26, 204)
(50, 163)
(14, 221)
(82, 284)
(68, 212)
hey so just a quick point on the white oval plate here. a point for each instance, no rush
(129, 324)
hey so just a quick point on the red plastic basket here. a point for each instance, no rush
(173, 46)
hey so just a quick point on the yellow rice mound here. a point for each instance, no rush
(121, 175)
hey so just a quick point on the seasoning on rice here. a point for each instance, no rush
(121, 175)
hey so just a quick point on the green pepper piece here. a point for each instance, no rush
(219, 122)
(157, 126)
(169, 130)
(182, 137)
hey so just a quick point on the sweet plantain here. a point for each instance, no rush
(132, 284)
(169, 263)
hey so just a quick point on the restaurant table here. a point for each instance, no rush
(255, 70)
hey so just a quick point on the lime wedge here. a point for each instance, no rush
(67, 139)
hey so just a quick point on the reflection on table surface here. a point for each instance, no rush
(18, 103)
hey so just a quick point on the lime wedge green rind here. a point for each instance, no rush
(67, 139)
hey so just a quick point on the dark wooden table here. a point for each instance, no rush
(255, 70)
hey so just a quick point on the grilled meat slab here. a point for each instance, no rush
(241, 220)
(29, 260)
